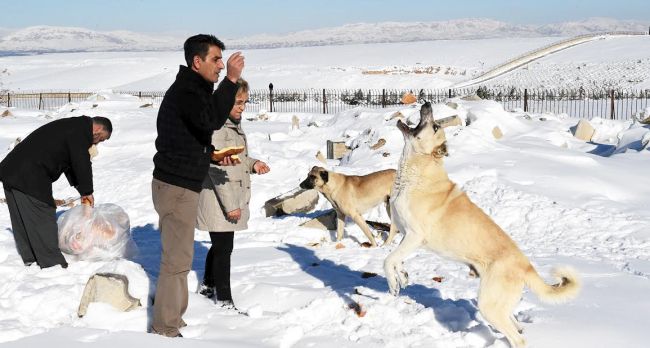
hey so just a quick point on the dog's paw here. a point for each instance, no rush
(393, 279)
(403, 278)
(393, 287)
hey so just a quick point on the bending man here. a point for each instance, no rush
(27, 174)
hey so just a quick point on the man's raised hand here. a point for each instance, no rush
(235, 66)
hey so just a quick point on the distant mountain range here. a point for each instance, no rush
(45, 39)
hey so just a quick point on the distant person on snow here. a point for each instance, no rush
(27, 173)
(190, 111)
(224, 200)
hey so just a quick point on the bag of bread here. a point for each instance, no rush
(99, 233)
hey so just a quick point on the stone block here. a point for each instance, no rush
(108, 288)
(584, 130)
(320, 157)
(336, 149)
(381, 142)
(450, 121)
(325, 221)
(295, 201)
(452, 105)
(496, 132)
(471, 97)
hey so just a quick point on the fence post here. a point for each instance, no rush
(383, 98)
(40, 100)
(8, 99)
(525, 99)
(324, 102)
(449, 95)
(270, 97)
(612, 114)
(140, 94)
(69, 97)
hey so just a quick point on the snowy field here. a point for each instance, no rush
(562, 202)
(615, 61)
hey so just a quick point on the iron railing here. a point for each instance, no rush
(580, 103)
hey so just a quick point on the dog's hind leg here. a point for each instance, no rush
(340, 224)
(364, 227)
(393, 228)
(498, 296)
(393, 263)
(391, 234)
(517, 324)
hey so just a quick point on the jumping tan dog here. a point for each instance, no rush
(353, 195)
(432, 211)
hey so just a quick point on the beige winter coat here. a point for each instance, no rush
(226, 188)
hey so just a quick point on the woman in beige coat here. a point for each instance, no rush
(223, 202)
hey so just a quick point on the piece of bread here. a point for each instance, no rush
(103, 229)
(232, 151)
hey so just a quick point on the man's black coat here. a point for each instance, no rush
(60, 146)
(188, 115)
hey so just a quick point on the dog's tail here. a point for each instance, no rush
(567, 289)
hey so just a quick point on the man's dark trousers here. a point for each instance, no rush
(35, 229)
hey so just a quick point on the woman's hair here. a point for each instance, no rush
(242, 86)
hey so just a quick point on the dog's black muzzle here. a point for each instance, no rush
(307, 184)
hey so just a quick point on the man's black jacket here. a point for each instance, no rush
(188, 115)
(60, 146)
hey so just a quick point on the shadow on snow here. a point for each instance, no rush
(454, 315)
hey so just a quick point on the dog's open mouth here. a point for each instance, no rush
(426, 118)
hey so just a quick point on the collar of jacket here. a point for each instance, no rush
(190, 77)
(230, 124)
(234, 121)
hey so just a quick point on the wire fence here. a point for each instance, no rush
(619, 104)
(580, 103)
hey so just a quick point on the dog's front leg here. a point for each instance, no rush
(395, 275)
(340, 224)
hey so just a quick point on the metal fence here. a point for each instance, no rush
(40, 100)
(613, 103)
(55, 100)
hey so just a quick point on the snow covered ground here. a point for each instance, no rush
(560, 200)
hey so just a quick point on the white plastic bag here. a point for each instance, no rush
(102, 232)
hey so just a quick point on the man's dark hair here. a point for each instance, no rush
(198, 45)
(104, 122)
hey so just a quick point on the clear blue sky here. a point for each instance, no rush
(237, 18)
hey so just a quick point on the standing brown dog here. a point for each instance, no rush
(432, 211)
(353, 195)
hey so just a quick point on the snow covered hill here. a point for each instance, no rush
(40, 39)
(427, 31)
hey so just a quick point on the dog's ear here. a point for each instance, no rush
(325, 176)
(441, 151)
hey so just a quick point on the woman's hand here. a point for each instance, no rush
(261, 168)
(234, 215)
(229, 161)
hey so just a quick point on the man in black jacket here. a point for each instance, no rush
(189, 113)
(27, 174)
